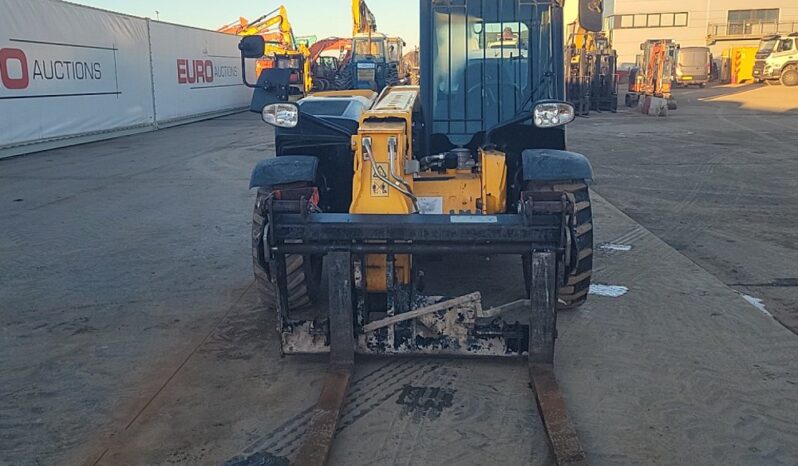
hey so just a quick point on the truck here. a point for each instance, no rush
(777, 59)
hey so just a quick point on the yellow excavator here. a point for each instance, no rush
(281, 49)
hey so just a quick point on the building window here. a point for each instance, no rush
(743, 21)
(650, 20)
(654, 21)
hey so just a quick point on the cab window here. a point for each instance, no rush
(786, 45)
(369, 47)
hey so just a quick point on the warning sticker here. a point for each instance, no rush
(430, 205)
(379, 188)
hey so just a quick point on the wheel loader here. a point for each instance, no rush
(472, 161)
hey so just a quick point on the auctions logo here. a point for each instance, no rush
(41, 69)
(14, 59)
(202, 71)
(15, 69)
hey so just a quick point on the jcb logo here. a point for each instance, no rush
(14, 69)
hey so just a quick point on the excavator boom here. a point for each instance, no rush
(363, 20)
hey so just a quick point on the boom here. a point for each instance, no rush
(263, 26)
(363, 20)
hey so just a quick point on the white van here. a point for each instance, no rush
(693, 66)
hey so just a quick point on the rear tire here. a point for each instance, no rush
(579, 260)
(789, 77)
(391, 75)
(303, 272)
(343, 82)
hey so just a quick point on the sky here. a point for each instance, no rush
(323, 18)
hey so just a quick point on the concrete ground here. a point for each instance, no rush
(715, 180)
(131, 333)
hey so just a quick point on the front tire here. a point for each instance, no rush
(578, 262)
(303, 272)
(789, 77)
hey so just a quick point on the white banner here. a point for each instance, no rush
(67, 70)
(70, 73)
(196, 72)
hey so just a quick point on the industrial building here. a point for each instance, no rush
(719, 24)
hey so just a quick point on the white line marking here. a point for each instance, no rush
(615, 247)
(757, 303)
(610, 291)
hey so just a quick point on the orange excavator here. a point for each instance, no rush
(325, 68)
(281, 50)
(334, 72)
(652, 75)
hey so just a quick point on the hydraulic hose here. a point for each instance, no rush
(384, 179)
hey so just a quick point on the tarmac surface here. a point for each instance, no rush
(131, 333)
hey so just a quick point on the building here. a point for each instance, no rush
(719, 24)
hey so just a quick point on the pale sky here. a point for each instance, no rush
(323, 18)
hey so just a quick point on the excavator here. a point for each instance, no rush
(281, 49)
(591, 82)
(652, 77)
(473, 161)
(325, 58)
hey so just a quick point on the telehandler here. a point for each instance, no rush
(472, 161)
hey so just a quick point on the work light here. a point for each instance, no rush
(284, 115)
(552, 114)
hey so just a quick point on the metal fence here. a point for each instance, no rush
(746, 30)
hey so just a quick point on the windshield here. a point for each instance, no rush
(489, 60)
(693, 56)
(291, 63)
(767, 46)
(375, 46)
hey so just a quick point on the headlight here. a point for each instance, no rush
(284, 115)
(552, 114)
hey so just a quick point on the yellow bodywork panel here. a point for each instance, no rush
(375, 178)
(453, 192)
(367, 93)
(385, 129)
(463, 191)
(494, 182)
(380, 178)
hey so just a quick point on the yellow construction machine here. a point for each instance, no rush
(591, 82)
(280, 50)
(472, 161)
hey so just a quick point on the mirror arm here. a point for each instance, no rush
(519, 119)
(244, 73)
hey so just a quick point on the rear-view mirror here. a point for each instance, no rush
(591, 14)
(252, 46)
